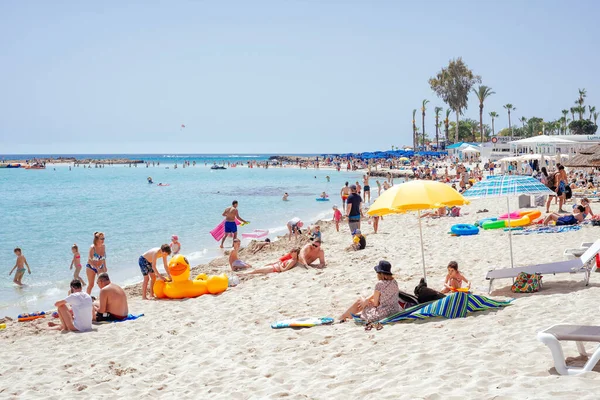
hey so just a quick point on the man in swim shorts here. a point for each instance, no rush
(344, 193)
(234, 261)
(354, 209)
(112, 304)
(366, 188)
(231, 214)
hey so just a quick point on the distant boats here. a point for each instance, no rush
(10, 165)
(217, 167)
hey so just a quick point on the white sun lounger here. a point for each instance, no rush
(579, 334)
(581, 264)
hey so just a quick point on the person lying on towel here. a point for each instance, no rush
(577, 217)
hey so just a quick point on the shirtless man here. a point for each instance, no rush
(147, 263)
(231, 214)
(561, 183)
(112, 305)
(344, 193)
(234, 261)
(312, 252)
(366, 189)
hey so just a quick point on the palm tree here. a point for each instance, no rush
(483, 92)
(494, 115)
(509, 107)
(572, 110)
(582, 96)
(453, 84)
(565, 113)
(596, 117)
(447, 124)
(414, 130)
(437, 110)
(423, 109)
(592, 111)
(563, 125)
(523, 121)
(579, 109)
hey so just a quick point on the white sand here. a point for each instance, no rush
(223, 346)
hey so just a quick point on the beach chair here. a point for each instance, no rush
(579, 334)
(581, 264)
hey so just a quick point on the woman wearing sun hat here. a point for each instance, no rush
(384, 300)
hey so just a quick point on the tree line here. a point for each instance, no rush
(455, 82)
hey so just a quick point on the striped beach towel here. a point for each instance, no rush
(548, 229)
(456, 305)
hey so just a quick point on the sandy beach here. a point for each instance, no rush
(223, 346)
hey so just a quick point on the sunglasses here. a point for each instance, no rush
(101, 238)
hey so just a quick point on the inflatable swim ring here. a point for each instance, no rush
(494, 224)
(533, 215)
(182, 287)
(464, 229)
(321, 199)
(483, 221)
(256, 234)
(513, 215)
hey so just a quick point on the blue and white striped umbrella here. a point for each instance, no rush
(507, 185)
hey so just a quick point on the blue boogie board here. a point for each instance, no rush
(302, 322)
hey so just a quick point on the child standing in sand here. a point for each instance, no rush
(337, 217)
(454, 279)
(148, 266)
(21, 260)
(175, 245)
(76, 262)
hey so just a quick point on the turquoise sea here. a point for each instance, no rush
(46, 211)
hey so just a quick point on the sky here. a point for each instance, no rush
(275, 76)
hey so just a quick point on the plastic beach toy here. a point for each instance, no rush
(182, 287)
(464, 229)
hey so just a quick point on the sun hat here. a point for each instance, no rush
(175, 237)
(335, 206)
(384, 267)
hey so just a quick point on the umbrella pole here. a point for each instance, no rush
(422, 249)
(512, 265)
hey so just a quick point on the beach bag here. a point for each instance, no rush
(527, 283)
(568, 192)
(406, 300)
(455, 212)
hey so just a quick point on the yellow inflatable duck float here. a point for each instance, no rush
(181, 287)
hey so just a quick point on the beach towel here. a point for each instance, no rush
(130, 317)
(455, 305)
(548, 229)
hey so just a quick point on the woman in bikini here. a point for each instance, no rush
(285, 263)
(96, 260)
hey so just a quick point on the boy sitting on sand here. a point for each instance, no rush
(234, 261)
(359, 242)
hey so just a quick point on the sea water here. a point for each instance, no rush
(45, 212)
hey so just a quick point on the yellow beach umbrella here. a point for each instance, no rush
(416, 196)
(404, 159)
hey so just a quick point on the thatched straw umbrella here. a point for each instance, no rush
(589, 157)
